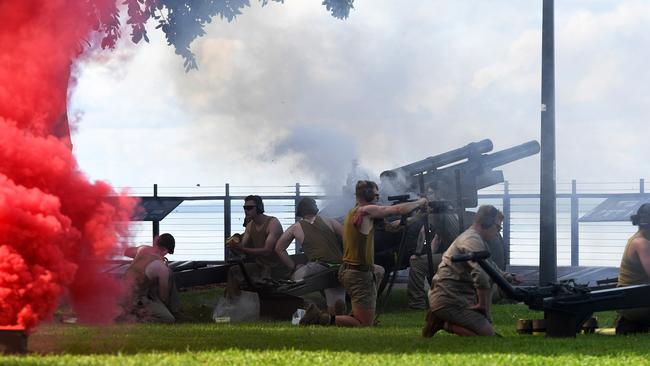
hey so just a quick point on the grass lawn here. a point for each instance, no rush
(396, 341)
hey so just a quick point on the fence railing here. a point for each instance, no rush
(203, 222)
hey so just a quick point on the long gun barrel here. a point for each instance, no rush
(480, 168)
(437, 161)
(473, 166)
(509, 155)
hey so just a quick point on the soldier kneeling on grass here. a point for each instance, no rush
(151, 292)
(461, 292)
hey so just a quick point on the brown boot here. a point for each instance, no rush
(314, 316)
(432, 325)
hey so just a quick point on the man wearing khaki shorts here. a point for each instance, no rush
(461, 293)
(358, 273)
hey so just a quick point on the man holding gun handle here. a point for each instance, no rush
(358, 273)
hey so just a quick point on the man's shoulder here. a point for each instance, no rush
(144, 251)
(469, 237)
(640, 242)
(325, 220)
(296, 226)
(273, 224)
(270, 218)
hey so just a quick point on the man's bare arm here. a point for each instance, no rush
(379, 212)
(283, 243)
(131, 252)
(336, 226)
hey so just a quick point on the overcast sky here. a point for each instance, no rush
(287, 94)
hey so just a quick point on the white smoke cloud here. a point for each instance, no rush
(287, 93)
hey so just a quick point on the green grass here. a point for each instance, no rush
(396, 341)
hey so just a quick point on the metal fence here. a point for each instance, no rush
(210, 214)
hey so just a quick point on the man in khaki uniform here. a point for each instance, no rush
(320, 239)
(635, 270)
(258, 241)
(461, 292)
(358, 273)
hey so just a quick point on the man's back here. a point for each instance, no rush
(137, 276)
(320, 243)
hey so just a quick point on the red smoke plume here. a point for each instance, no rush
(56, 227)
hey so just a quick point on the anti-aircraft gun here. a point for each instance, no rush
(454, 179)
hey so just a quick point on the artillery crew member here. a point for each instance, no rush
(320, 238)
(461, 293)
(153, 296)
(358, 273)
(258, 241)
(418, 270)
(635, 270)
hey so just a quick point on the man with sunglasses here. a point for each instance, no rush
(461, 292)
(259, 239)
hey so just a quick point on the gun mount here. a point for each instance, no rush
(566, 305)
(471, 163)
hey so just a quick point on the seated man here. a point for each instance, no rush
(358, 274)
(635, 270)
(258, 241)
(320, 240)
(152, 295)
(461, 292)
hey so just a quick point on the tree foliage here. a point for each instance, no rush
(182, 21)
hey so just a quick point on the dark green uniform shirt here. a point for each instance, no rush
(320, 242)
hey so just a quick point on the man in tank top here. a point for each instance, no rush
(258, 242)
(320, 239)
(152, 296)
(635, 270)
(358, 274)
